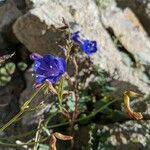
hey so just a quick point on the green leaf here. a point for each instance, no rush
(70, 103)
(4, 72)
(43, 147)
(5, 79)
(61, 91)
(10, 67)
(22, 66)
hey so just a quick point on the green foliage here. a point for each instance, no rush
(10, 67)
(22, 66)
(43, 147)
(6, 72)
(102, 3)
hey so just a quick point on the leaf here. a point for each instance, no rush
(61, 90)
(10, 67)
(22, 66)
(70, 103)
(4, 72)
(43, 147)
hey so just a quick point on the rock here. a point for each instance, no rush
(141, 8)
(129, 135)
(133, 37)
(3, 43)
(35, 3)
(9, 103)
(37, 31)
(8, 14)
(19, 4)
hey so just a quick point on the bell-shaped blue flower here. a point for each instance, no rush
(75, 37)
(87, 46)
(48, 67)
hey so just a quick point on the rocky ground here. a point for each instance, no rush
(121, 29)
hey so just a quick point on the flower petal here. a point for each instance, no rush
(39, 66)
(35, 56)
(62, 65)
(48, 58)
(75, 37)
(40, 79)
(54, 79)
(89, 47)
(49, 67)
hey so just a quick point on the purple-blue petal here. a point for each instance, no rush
(62, 65)
(39, 66)
(89, 47)
(40, 79)
(49, 67)
(48, 58)
(54, 79)
(35, 56)
(75, 37)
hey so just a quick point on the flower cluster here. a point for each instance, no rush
(48, 67)
(87, 46)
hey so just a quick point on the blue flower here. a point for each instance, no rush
(48, 67)
(75, 37)
(87, 46)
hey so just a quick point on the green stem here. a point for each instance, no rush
(95, 113)
(18, 145)
(23, 109)
(65, 123)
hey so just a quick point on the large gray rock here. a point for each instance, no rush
(37, 31)
(8, 14)
(129, 135)
(141, 8)
(9, 103)
(20, 4)
(125, 24)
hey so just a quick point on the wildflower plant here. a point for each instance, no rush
(48, 68)
(51, 73)
(89, 47)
